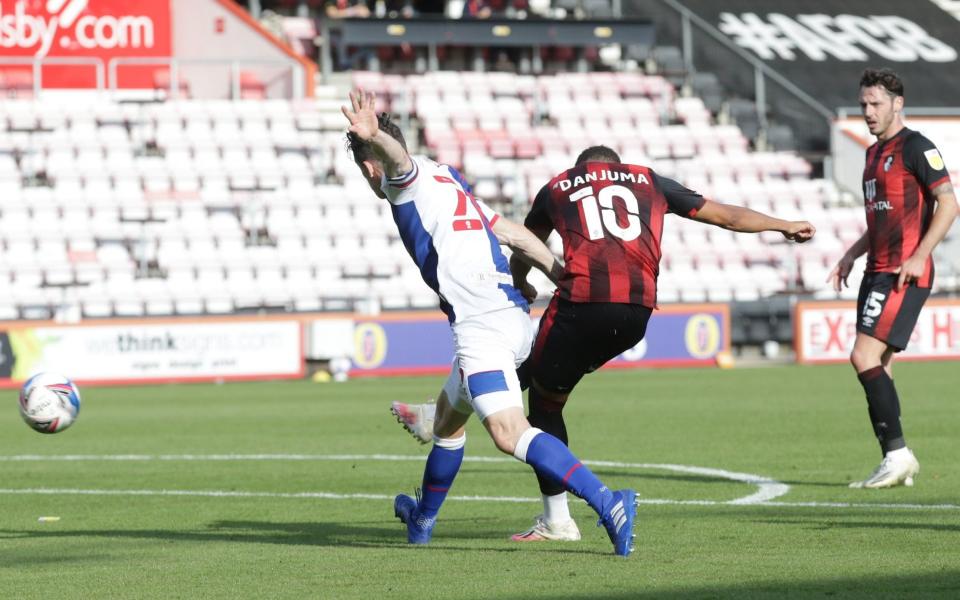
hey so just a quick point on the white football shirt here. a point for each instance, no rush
(447, 233)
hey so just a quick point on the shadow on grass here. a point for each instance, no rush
(839, 483)
(839, 523)
(360, 534)
(895, 587)
(41, 558)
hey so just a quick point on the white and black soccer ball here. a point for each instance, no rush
(49, 403)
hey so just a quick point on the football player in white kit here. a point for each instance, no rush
(455, 241)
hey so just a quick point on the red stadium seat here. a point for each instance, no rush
(251, 86)
(17, 82)
(161, 83)
(499, 144)
(527, 147)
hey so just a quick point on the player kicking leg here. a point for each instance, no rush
(484, 381)
(547, 455)
(554, 523)
(574, 339)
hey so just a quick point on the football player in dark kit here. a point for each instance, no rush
(610, 218)
(910, 205)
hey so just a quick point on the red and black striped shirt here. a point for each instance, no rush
(610, 218)
(898, 182)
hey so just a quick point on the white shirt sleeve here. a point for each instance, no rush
(403, 188)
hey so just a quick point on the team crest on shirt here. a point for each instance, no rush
(934, 159)
(888, 163)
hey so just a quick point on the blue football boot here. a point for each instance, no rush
(419, 528)
(618, 520)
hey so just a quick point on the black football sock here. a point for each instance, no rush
(896, 397)
(884, 407)
(547, 416)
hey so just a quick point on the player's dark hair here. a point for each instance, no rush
(363, 150)
(598, 154)
(885, 78)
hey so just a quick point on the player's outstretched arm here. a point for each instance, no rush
(838, 276)
(528, 250)
(943, 216)
(744, 220)
(364, 124)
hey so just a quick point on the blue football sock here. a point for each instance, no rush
(549, 457)
(443, 463)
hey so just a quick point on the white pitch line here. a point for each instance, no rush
(767, 489)
(864, 505)
(384, 497)
(222, 457)
(236, 494)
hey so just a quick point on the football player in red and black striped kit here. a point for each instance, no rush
(910, 205)
(610, 218)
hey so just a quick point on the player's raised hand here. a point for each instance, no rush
(838, 276)
(362, 114)
(799, 231)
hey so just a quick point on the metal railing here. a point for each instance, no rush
(106, 76)
(298, 86)
(37, 65)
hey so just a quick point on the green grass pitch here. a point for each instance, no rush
(284, 490)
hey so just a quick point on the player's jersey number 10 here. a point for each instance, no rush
(599, 214)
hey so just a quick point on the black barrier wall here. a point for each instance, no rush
(821, 46)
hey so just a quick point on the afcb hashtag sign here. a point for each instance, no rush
(844, 37)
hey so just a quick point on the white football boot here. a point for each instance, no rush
(417, 419)
(542, 530)
(897, 468)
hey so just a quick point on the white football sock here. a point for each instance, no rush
(555, 508)
(451, 443)
(520, 452)
(899, 452)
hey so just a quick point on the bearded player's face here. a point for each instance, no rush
(880, 109)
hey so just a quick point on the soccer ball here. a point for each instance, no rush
(49, 403)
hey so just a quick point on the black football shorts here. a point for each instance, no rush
(576, 338)
(887, 314)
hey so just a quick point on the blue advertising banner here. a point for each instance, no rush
(412, 343)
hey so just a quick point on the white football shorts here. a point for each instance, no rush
(489, 348)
